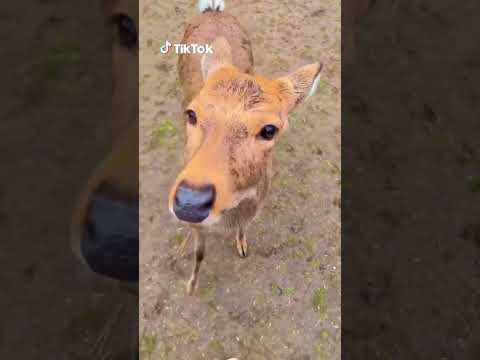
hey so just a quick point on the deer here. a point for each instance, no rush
(233, 118)
(104, 226)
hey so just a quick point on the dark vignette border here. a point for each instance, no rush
(410, 183)
(56, 113)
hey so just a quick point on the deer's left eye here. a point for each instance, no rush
(268, 132)
(126, 31)
(191, 117)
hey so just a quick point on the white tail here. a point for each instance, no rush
(213, 5)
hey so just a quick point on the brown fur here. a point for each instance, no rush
(118, 172)
(232, 106)
(204, 28)
(117, 175)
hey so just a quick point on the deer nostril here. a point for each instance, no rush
(193, 204)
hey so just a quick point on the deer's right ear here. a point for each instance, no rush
(221, 57)
(300, 84)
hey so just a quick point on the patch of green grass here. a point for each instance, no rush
(320, 300)
(292, 241)
(311, 246)
(284, 182)
(304, 194)
(321, 348)
(163, 133)
(324, 334)
(52, 64)
(278, 290)
(208, 291)
(317, 264)
(331, 167)
(320, 352)
(216, 349)
(289, 291)
(148, 345)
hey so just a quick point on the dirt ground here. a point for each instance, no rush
(283, 301)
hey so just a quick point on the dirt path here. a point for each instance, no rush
(283, 301)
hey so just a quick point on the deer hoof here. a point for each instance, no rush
(242, 247)
(192, 286)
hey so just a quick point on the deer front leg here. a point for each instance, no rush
(186, 239)
(241, 241)
(199, 238)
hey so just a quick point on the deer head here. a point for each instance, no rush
(232, 126)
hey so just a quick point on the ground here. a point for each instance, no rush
(283, 301)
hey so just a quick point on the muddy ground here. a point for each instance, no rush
(283, 301)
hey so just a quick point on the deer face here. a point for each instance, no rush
(104, 231)
(122, 17)
(231, 128)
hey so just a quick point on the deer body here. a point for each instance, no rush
(232, 120)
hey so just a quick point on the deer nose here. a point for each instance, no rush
(193, 204)
(111, 235)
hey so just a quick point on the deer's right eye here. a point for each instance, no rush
(191, 117)
(268, 132)
(126, 31)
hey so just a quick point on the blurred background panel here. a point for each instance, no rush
(410, 182)
(56, 60)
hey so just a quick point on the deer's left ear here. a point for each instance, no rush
(299, 85)
(221, 57)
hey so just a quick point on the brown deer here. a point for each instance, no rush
(233, 119)
(104, 230)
